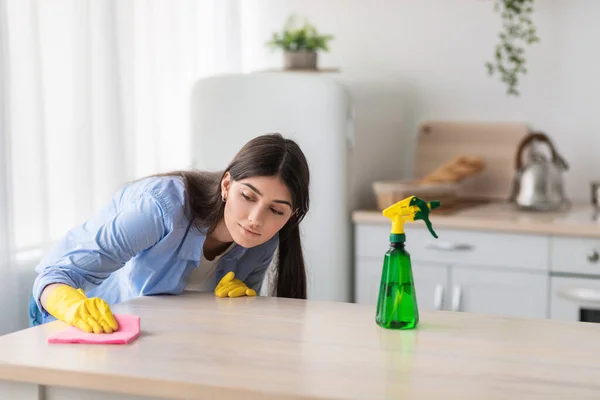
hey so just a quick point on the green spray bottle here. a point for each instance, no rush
(397, 302)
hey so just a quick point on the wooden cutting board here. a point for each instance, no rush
(496, 142)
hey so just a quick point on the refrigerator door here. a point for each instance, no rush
(229, 110)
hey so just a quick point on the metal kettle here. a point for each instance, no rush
(538, 182)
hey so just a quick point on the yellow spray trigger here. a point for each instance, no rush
(410, 209)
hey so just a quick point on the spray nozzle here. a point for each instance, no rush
(410, 209)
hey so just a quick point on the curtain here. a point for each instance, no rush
(8, 287)
(93, 93)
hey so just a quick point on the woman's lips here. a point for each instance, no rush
(249, 232)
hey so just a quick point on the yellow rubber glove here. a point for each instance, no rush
(230, 286)
(75, 308)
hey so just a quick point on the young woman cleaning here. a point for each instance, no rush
(184, 229)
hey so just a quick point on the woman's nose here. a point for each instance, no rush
(255, 217)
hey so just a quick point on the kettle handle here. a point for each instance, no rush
(556, 158)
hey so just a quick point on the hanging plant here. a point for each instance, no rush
(518, 30)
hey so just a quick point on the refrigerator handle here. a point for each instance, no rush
(350, 128)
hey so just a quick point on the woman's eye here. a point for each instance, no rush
(246, 197)
(276, 212)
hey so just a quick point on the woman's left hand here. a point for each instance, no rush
(230, 286)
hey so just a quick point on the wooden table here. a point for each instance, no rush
(196, 346)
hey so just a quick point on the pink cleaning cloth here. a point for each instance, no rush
(129, 329)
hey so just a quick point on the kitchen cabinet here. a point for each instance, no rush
(493, 291)
(470, 271)
(431, 280)
(493, 259)
(464, 288)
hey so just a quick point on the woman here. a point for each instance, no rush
(190, 229)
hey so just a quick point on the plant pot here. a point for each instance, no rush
(300, 59)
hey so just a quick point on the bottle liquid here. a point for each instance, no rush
(397, 302)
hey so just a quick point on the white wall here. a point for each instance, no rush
(15, 293)
(436, 50)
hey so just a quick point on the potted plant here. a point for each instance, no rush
(300, 44)
(517, 31)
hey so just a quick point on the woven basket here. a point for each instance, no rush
(388, 193)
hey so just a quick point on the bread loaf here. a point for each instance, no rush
(455, 170)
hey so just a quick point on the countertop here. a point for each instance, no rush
(199, 346)
(504, 217)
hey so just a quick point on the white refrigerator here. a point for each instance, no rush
(316, 112)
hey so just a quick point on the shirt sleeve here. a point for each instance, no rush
(95, 255)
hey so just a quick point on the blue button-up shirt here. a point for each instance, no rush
(141, 243)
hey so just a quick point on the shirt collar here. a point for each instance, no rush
(193, 241)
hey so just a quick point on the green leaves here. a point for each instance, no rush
(518, 30)
(295, 38)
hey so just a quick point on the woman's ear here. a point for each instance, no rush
(225, 185)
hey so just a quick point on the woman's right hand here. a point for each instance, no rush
(230, 286)
(73, 307)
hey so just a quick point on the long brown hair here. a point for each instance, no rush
(266, 155)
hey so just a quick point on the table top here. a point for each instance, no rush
(273, 348)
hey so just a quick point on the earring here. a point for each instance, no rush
(223, 197)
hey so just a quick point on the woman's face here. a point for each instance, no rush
(256, 208)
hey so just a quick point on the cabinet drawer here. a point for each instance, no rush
(463, 247)
(575, 255)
